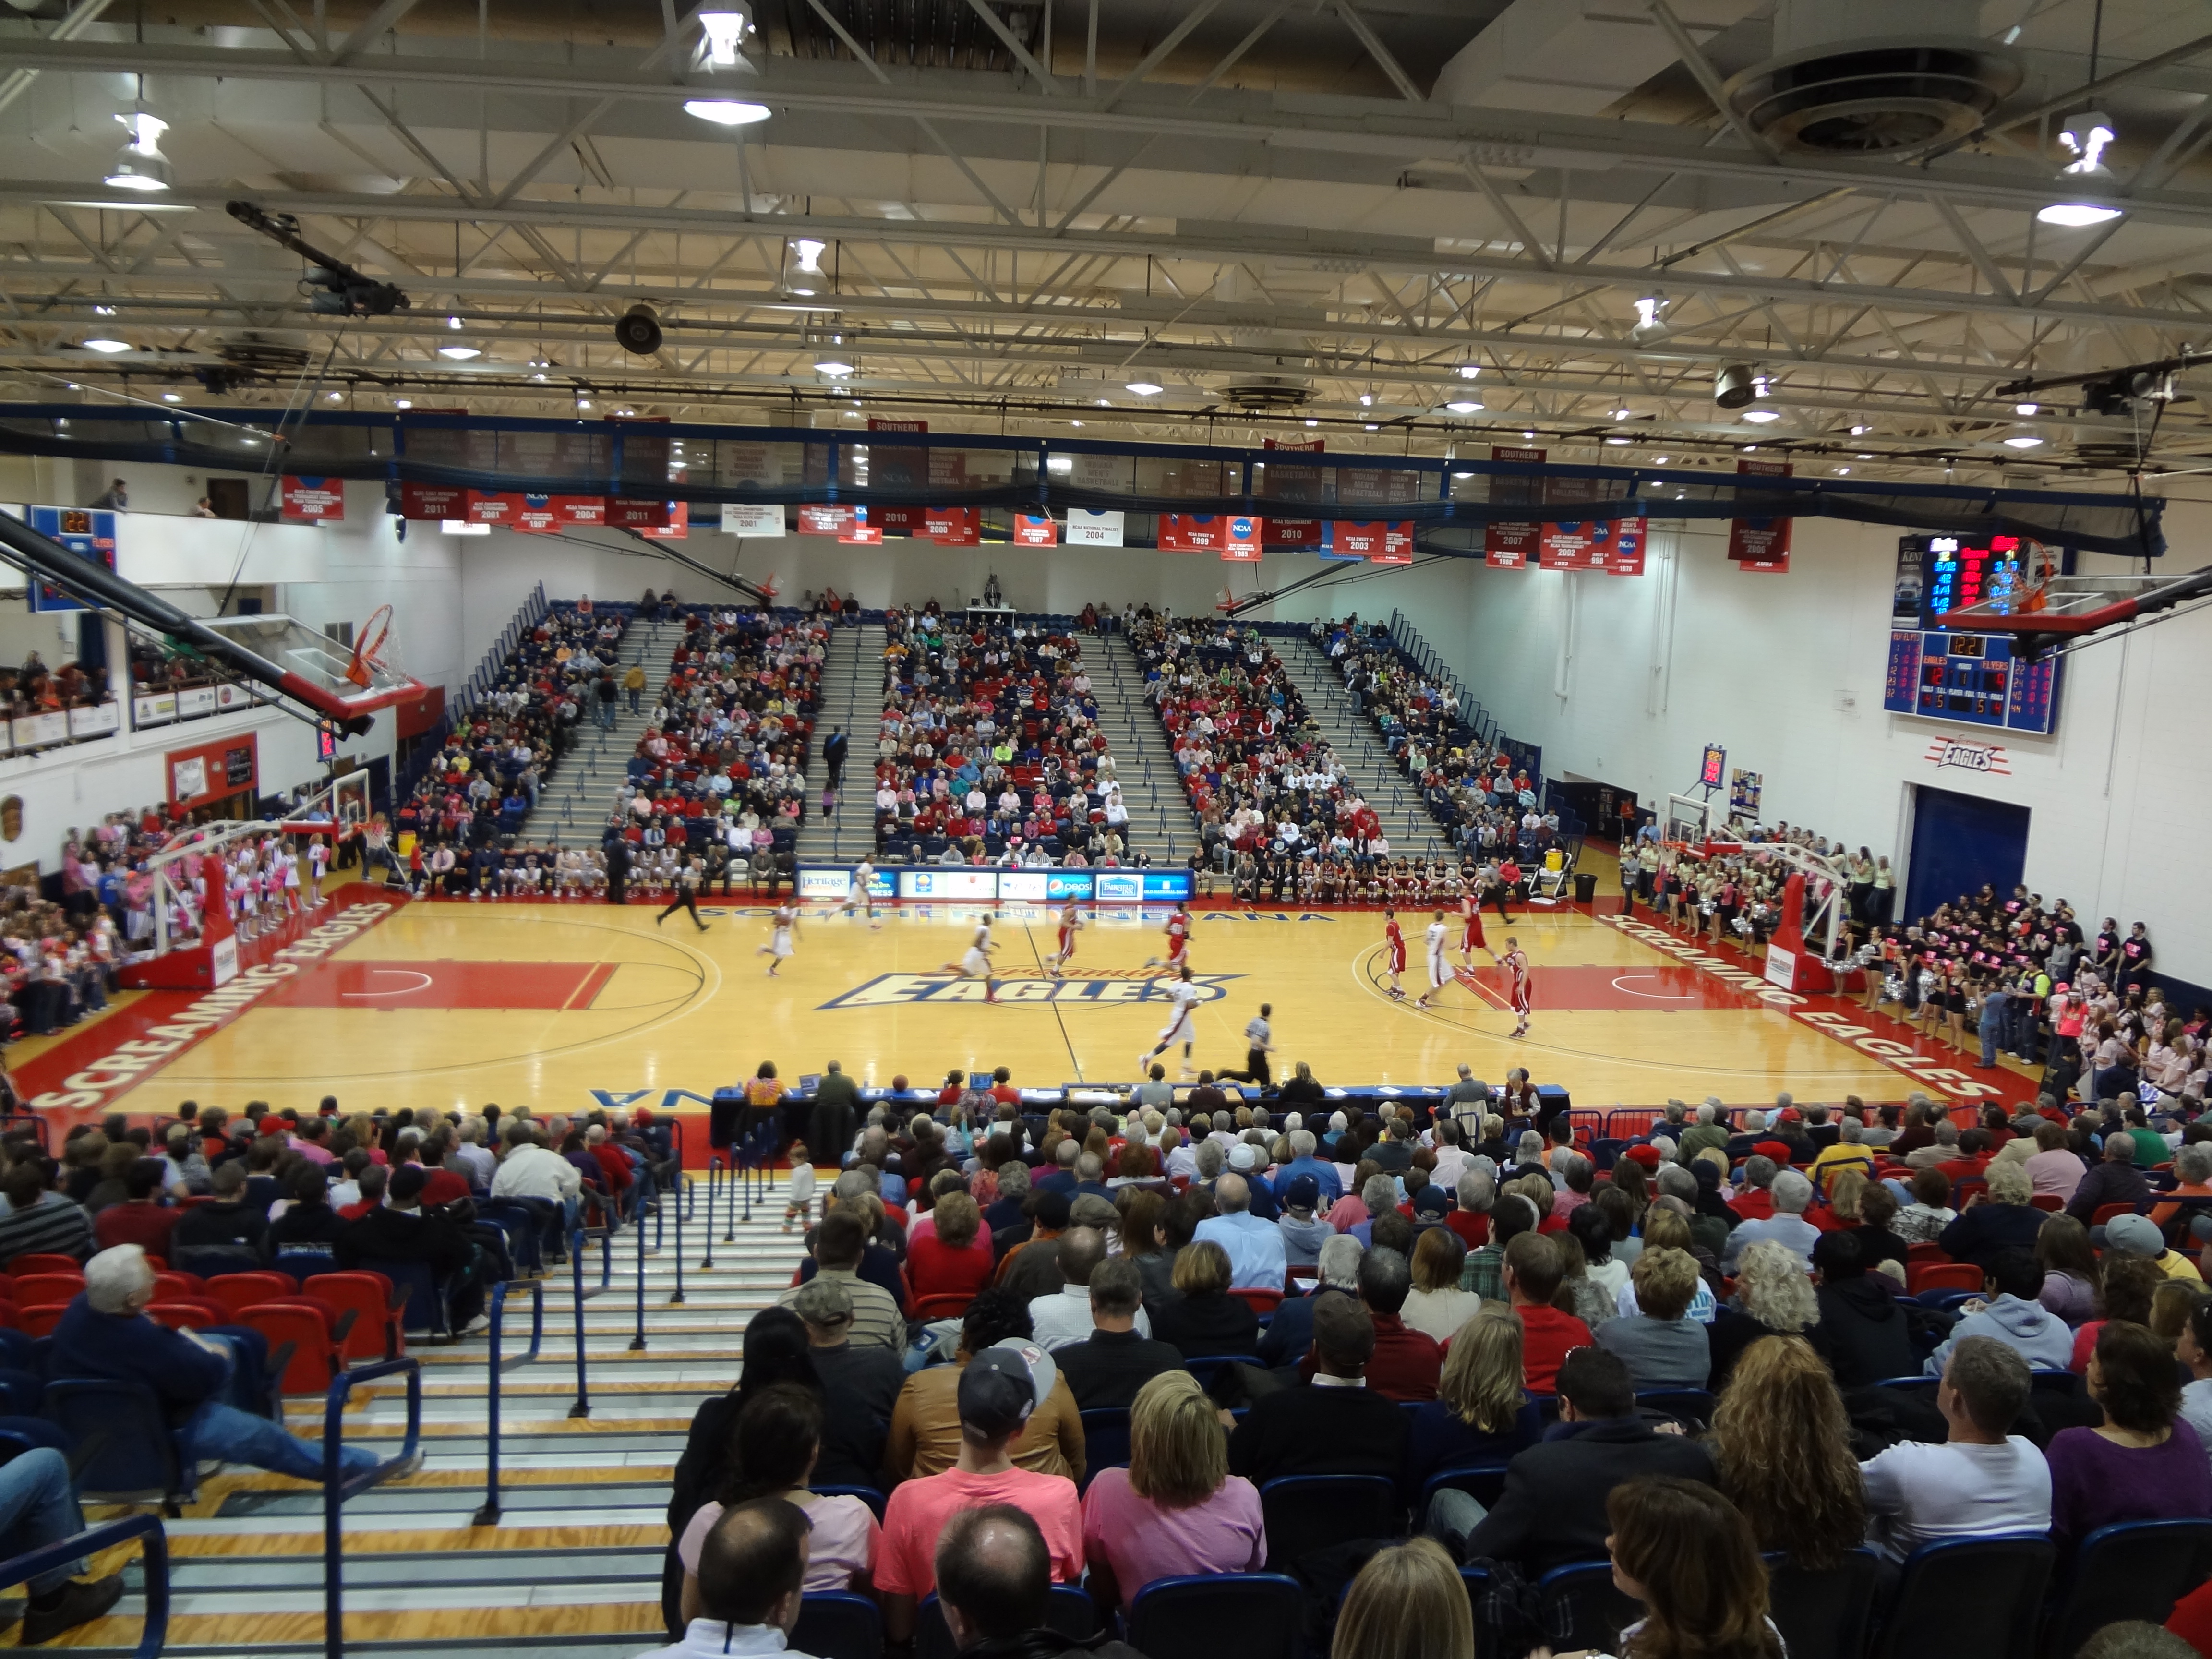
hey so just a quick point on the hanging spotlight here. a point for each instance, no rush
(810, 251)
(724, 33)
(140, 165)
(461, 353)
(1648, 326)
(1735, 386)
(108, 347)
(1143, 388)
(836, 368)
(1462, 405)
(1468, 371)
(2085, 137)
(1367, 400)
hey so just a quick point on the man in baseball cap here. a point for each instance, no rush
(2138, 1235)
(999, 1389)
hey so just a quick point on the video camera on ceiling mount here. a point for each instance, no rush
(2115, 391)
(340, 290)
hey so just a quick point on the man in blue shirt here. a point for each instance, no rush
(1255, 1248)
(1303, 1162)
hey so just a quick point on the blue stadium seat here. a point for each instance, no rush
(121, 1434)
(1253, 1615)
(1968, 1598)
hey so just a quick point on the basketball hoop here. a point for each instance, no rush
(368, 647)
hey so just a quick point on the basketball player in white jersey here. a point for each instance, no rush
(783, 935)
(1071, 924)
(1182, 1026)
(864, 876)
(976, 963)
(1440, 968)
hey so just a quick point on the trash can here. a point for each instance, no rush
(1585, 888)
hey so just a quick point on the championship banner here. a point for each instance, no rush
(953, 526)
(1036, 530)
(1512, 544)
(1337, 541)
(861, 533)
(1609, 546)
(1760, 544)
(678, 526)
(1190, 533)
(312, 501)
(1283, 482)
(1087, 528)
(543, 513)
(1241, 539)
(493, 506)
(434, 502)
(1377, 540)
(630, 513)
(746, 518)
(825, 520)
(1625, 557)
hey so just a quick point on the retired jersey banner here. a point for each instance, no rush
(1190, 533)
(954, 527)
(1036, 530)
(825, 520)
(435, 502)
(1760, 544)
(312, 501)
(1087, 528)
(1240, 541)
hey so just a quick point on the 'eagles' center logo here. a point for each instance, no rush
(1100, 990)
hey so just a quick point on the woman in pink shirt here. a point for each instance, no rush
(2054, 1169)
(1176, 1509)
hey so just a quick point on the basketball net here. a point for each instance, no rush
(368, 647)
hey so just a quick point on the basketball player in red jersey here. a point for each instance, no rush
(1394, 955)
(1470, 933)
(1178, 932)
(1071, 923)
(1516, 964)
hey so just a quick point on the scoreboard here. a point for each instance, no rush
(1953, 674)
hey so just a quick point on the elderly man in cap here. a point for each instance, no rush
(861, 1384)
(998, 1390)
(1250, 1159)
(1255, 1248)
(2138, 1235)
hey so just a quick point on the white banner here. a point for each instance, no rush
(33, 730)
(156, 710)
(97, 721)
(1089, 529)
(744, 518)
(196, 700)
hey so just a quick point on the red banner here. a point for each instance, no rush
(542, 515)
(493, 506)
(825, 520)
(954, 527)
(1510, 546)
(1383, 542)
(312, 501)
(677, 525)
(212, 770)
(1241, 539)
(1039, 530)
(1625, 557)
(434, 502)
(1190, 533)
(629, 513)
(1760, 544)
(861, 533)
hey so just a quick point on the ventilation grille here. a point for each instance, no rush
(1875, 98)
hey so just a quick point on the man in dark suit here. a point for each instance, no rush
(1108, 1367)
(399, 1232)
(1335, 1425)
(1552, 1509)
(834, 1119)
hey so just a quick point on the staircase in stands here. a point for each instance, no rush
(1160, 819)
(571, 1570)
(852, 697)
(1368, 767)
(589, 782)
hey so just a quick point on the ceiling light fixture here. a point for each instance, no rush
(1648, 326)
(1313, 423)
(2025, 440)
(461, 353)
(810, 251)
(338, 397)
(172, 397)
(1143, 388)
(1372, 427)
(1760, 416)
(1528, 435)
(1861, 431)
(103, 311)
(724, 32)
(1616, 440)
(833, 367)
(452, 322)
(583, 403)
(1367, 400)
(108, 347)
(1843, 471)
(1468, 371)
(140, 165)
(2027, 409)
(2085, 137)
(402, 403)
(1622, 414)
(1462, 405)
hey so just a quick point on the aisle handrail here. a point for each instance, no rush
(337, 1486)
(495, 1368)
(67, 1552)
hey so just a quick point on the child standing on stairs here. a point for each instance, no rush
(798, 1197)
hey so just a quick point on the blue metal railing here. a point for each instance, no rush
(68, 1552)
(495, 1368)
(338, 1485)
(605, 1237)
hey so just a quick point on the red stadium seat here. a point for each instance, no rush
(951, 1306)
(1943, 1276)
(188, 1314)
(2110, 1212)
(311, 1330)
(47, 1287)
(238, 1291)
(1260, 1302)
(377, 1332)
(2049, 1203)
(1924, 1253)
(40, 1320)
(168, 1286)
(18, 1266)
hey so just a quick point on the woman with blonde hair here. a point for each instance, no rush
(1205, 1319)
(1408, 1603)
(1475, 1417)
(1176, 1509)
(1773, 1298)
(1782, 1443)
(1437, 1306)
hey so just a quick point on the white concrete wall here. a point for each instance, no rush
(1626, 679)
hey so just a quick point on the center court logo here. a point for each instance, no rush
(1080, 990)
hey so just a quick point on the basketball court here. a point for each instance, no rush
(389, 1004)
